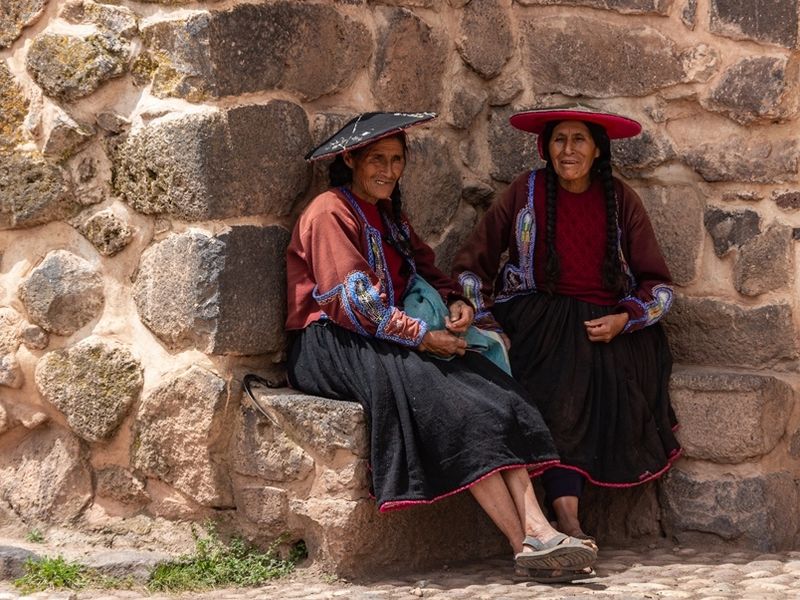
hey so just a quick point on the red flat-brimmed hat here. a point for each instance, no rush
(366, 129)
(534, 121)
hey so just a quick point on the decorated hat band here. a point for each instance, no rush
(366, 129)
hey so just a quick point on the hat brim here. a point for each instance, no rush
(616, 126)
(367, 129)
(534, 121)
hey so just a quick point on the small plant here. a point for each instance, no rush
(56, 573)
(217, 564)
(35, 536)
(51, 574)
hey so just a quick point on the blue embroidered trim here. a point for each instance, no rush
(520, 279)
(357, 293)
(471, 286)
(653, 311)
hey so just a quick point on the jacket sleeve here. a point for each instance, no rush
(477, 263)
(346, 288)
(651, 293)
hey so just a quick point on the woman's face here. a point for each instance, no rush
(377, 169)
(572, 152)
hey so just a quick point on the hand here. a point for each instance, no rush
(606, 328)
(461, 316)
(442, 343)
(506, 340)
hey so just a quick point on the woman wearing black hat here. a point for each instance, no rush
(437, 427)
(580, 299)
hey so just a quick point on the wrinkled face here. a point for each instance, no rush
(377, 169)
(572, 151)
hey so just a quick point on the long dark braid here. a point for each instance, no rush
(552, 269)
(612, 275)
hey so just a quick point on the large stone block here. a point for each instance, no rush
(465, 105)
(63, 293)
(758, 511)
(246, 160)
(731, 228)
(256, 47)
(711, 332)
(119, 20)
(430, 173)
(742, 159)
(511, 151)
(13, 108)
(752, 89)
(16, 15)
(264, 505)
(409, 65)
(33, 191)
(485, 41)
(69, 67)
(631, 7)
(178, 435)
(350, 537)
(46, 477)
(729, 417)
(223, 294)
(10, 340)
(644, 152)
(765, 263)
(94, 383)
(579, 56)
(122, 486)
(265, 451)
(771, 21)
(319, 425)
(676, 213)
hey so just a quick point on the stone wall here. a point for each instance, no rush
(151, 168)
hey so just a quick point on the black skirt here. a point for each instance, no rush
(436, 426)
(606, 404)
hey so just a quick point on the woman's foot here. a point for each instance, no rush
(555, 552)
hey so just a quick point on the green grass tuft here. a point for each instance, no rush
(217, 564)
(35, 536)
(52, 574)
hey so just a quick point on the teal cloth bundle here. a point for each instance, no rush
(423, 302)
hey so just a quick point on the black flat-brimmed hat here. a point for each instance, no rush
(365, 129)
(534, 121)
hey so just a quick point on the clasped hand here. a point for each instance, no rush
(606, 328)
(446, 342)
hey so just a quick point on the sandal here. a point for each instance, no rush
(559, 575)
(559, 552)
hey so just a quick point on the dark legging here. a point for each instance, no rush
(560, 482)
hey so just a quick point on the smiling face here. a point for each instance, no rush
(572, 152)
(376, 169)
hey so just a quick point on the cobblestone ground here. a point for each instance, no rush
(621, 574)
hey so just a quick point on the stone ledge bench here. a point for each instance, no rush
(304, 471)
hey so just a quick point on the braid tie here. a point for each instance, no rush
(552, 269)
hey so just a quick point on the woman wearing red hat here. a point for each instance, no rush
(437, 427)
(580, 299)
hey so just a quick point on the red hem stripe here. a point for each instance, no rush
(534, 469)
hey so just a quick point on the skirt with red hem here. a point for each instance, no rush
(606, 404)
(436, 427)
